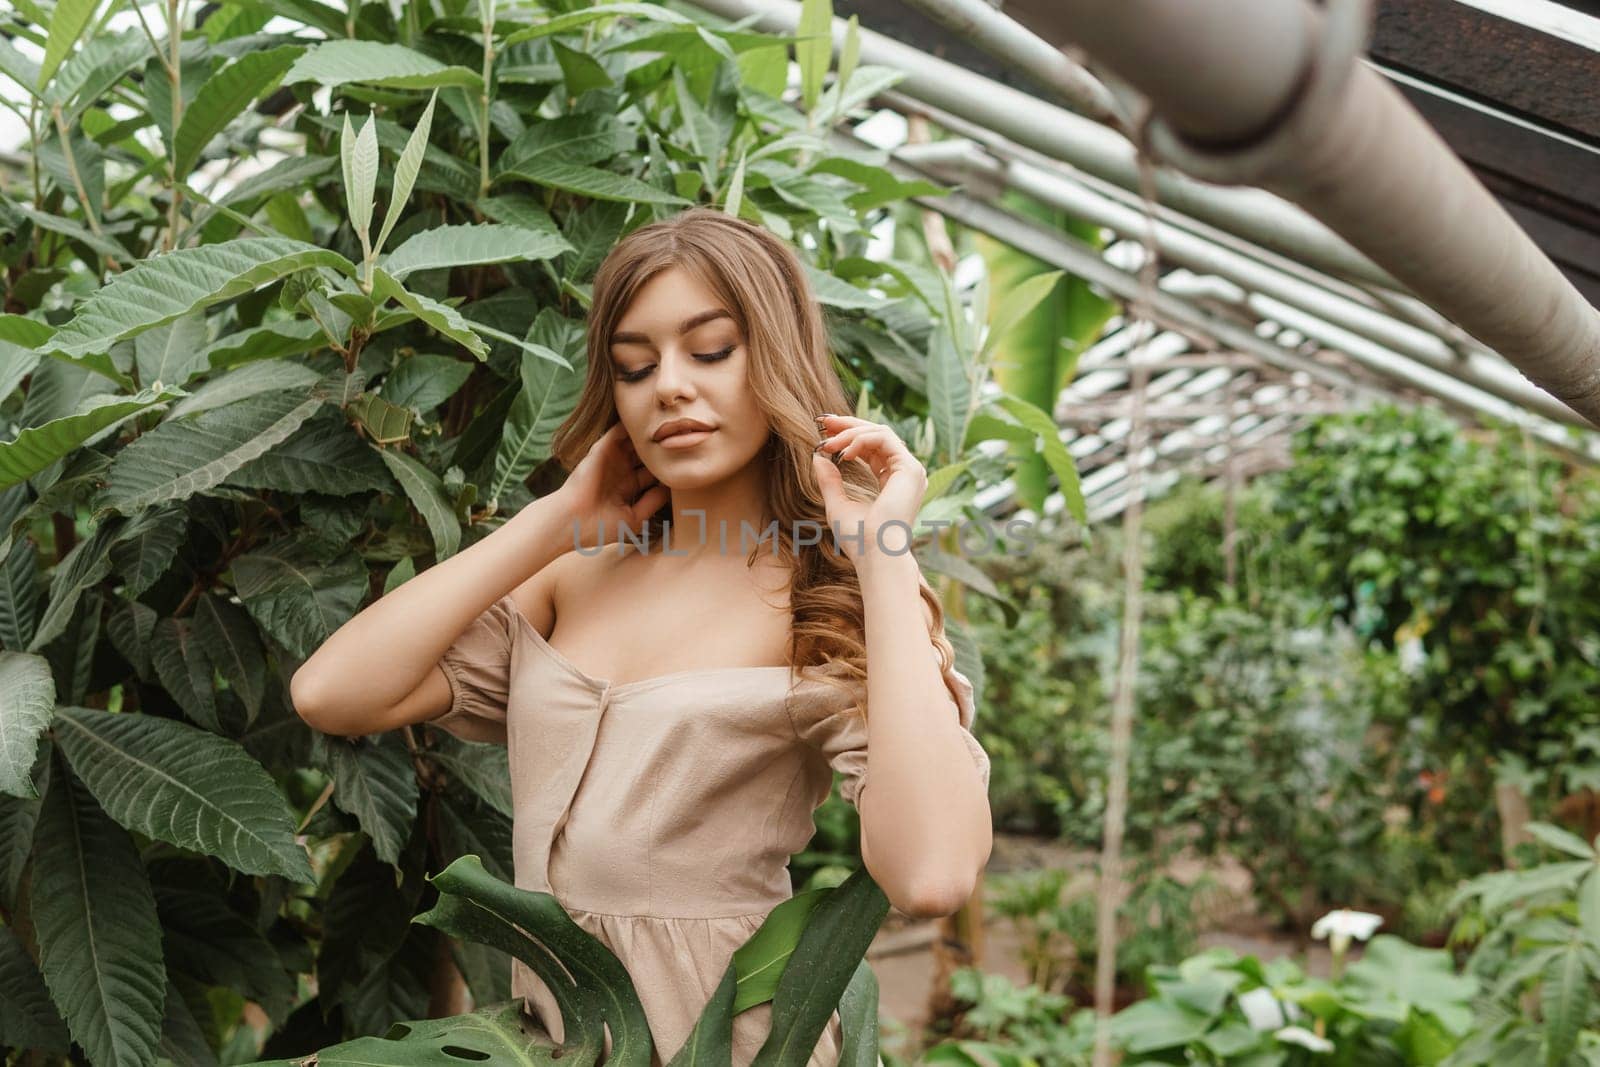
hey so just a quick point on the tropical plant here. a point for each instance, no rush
(289, 314)
(1535, 937)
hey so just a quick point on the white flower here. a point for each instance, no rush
(1342, 924)
(322, 99)
(1299, 1035)
(1261, 1009)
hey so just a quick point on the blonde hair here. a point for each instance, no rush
(761, 281)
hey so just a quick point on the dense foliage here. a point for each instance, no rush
(289, 315)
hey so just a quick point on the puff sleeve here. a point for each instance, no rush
(478, 667)
(836, 728)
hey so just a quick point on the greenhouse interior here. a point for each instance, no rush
(1232, 370)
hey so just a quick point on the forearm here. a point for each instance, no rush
(382, 654)
(926, 829)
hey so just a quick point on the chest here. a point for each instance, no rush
(634, 627)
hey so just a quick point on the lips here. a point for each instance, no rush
(678, 426)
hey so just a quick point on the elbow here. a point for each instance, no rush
(937, 898)
(304, 700)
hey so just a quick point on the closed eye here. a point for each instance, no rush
(707, 357)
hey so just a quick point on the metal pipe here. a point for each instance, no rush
(1356, 155)
(1487, 372)
(1061, 134)
(1046, 66)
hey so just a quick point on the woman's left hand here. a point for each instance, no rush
(902, 483)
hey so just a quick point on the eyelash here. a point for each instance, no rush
(709, 357)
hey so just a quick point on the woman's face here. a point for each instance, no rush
(676, 354)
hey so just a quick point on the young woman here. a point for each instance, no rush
(675, 698)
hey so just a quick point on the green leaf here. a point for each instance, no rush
(831, 947)
(186, 786)
(1562, 840)
(574, 19)
(949, 394)
(549, 393)
(373, 780)
(1564, 1000)
(815, 51)
(27, 703)
(471, 245)
(223, 96)
(442, 317)
(67, 23)
(473, 904)
(592, 182)
(36, 447)
(1048, 437)
(426, 493)
(299, 601)
(166, 287)
(183, 457)
(98, 931)
(360, 158)
(393, 66)
(406, 169)
(27, 1018)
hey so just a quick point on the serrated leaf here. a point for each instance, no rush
(442, 317)
(36, 447)
(183, 785)
(373, 780)
(472, 245)
(96, 923)
(27, 1018)
(361, 174)
(406, 169)
(232, 644)
(574, 19)
(183, 457)
(67, 23)
(168, 286)
(592, 182)
(373, 63)
(223, 96)
(27, 703)
(299, 603)
(426, 492)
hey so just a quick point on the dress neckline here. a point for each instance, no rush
(603, 684)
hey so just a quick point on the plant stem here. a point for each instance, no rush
(483, 112)
(175, 80)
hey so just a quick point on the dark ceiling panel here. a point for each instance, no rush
(1492, 59)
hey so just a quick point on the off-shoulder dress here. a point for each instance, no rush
(662, 813)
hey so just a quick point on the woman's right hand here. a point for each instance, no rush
(603, 492)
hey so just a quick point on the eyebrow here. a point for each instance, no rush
(632, 337)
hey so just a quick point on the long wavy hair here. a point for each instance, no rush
(759, 278)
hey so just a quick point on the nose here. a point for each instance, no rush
(673, 377)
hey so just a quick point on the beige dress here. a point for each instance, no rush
(662, 813)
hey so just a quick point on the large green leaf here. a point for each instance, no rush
(427, 494)
(406, 169)
(165, 287)
(1047, 436)
(232, 644)
(185, 786)
(182, 457)
(442, 317)
(373, 63)
(36, 447)
(373, 780)
(833, 943)
(296, 600)
(27, 1018)
(223, 96)
(471, 245)
(96, 923)
(67, 23)
(359, 156)
(574, 19)
(474, 904)
(27, 703)
(549, 393)
(592, 182)
(482, 767)
(499, 1035)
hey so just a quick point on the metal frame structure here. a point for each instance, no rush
(1294, 317)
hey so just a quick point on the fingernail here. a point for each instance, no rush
(818, 446)
(826, 415)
